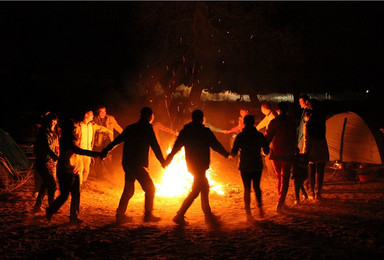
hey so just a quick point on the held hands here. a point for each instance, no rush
(103, 154)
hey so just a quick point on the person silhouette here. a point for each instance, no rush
(250, 142)
(197, 140)
(68, 170)
(137, 138)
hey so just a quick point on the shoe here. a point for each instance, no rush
(279, 207)
(123, 219)
(37, 209)
(261, 212)
(212, 218)
(48, 216)
(180, 220)
(151, 218)
(75, 220)
(296, 202)
(318, 196)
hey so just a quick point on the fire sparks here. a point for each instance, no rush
(177, 181)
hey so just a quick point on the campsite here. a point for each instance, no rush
(345, 224)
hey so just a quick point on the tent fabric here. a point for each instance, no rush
(13, 152)
(351, 140)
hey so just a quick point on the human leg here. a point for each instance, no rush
(246, 178)
(129, 190)
(286, 172)
(87, 166)
(256, 187)
(311, 176)
(146, 183)
(65, 183)
(75, 198)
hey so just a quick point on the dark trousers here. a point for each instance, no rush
(248, 178)
(69, 184)
(142, 176)
(48, 183)
(200, 186)
(299, 176)
(316, 168)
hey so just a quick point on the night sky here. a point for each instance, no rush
(51, 49)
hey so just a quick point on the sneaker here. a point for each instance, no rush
(123, 219)
(180, 220)
(296, 202)
(75, 220)
(151, 218)
(318, 196)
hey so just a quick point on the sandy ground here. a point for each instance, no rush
(347, 224)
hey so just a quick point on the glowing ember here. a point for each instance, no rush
(177, 181)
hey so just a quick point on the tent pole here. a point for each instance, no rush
(342, 139)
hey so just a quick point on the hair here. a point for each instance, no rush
(283, 106)
(197, 116)
(48, 118)
(304, 97)
(249, 120)
(146, 113)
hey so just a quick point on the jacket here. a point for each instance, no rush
(137, 138)
(111, 124)
(197, 140)
(281, 134)
(250, 142)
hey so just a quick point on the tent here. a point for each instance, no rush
(13, 152)
(15, 168)
(350, 139)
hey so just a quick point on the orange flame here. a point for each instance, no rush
(177, 181)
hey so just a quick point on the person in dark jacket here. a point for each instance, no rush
(281, 133)
(250, 142)
(197, 140)
(315, 147)
(46, 151)
(137, 138)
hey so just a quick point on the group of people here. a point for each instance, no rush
(282, 139)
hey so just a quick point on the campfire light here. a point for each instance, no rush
(177, 181)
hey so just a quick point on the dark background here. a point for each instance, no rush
(66, 56)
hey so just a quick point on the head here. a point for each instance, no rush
(146, 114)
(197, 116)
(50, 121)
(303, 101)
(88, 116)
(283, 108)
(101, 112)
(265, 109)
(249, 120)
